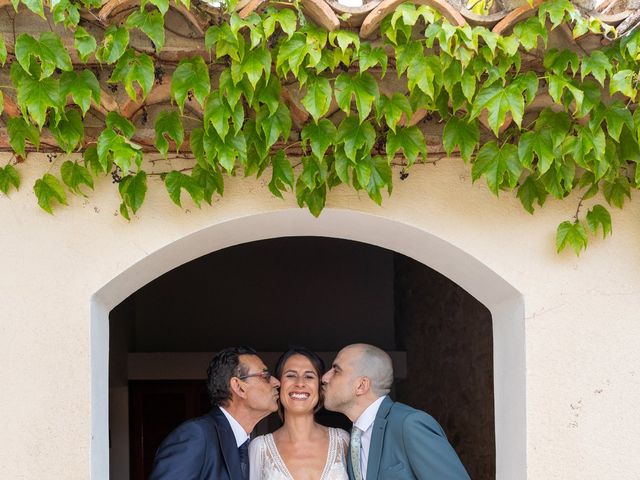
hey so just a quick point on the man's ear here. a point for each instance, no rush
(237, 388)
(363, 386)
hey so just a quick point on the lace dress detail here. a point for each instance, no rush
(267, 464)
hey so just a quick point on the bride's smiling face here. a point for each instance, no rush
(299, 385)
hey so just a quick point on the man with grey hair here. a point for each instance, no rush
(388, 439)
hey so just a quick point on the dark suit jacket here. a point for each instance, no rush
(203, 448)
(409, 444)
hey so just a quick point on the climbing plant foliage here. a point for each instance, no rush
(467, 77)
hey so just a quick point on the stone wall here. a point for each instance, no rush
(448, 338)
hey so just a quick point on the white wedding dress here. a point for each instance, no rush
(266, 463)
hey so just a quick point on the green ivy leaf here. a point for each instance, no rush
(616, 191)
(369, 57)
(373, 174)
(177, 181)
(462, 134)
(321, 135)
(275, 126)
(557, 86)
(343, 39)
(284, 17)
(48, 49)
(47, 189)
(19, 131)
(556, 10)
(282, 174)
(225, 151)
(225, 41)
(116, 121)
(36, 97)
(113, 45)
(498, 100)
(531, 191)
(557, 123)
(315, 199)
(499, 165)
(134, 68)
(617, 115)
(318, 98)
(408, 139)
(599, 216)
(255, 62)
(573, 234)
(36, 6)
(558, 61)
(133, 189)
(355, 136)
(83, 88)
(291, 54)
(361, 85)
(91, 160)
(151, 23)
(210, 180)
(392, 109)
(216, 114)
(269, 94)
(540, 144)
(162, 5)
(69, 131)
(119, 150)
(9, 177)
(623, 82)
(73, 175)
(192, 74)
(423, 73)
(168, 124)
(596, 64)
(84, 43)
(528, 32)
(3, 50)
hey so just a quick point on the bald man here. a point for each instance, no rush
(388, 439)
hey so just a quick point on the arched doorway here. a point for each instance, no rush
(501, 299)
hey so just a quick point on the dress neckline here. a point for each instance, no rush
(331, 454)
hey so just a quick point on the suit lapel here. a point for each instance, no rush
(227, 441)
(377, 435)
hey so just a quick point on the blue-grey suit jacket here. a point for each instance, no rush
(203, 448)
(409, 444)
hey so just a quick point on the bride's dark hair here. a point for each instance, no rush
(318, 366)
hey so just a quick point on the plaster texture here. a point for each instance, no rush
(581, 314)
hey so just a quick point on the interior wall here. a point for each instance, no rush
(447, 335)
(308, 291)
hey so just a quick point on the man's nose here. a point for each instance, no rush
(325, 377)
(275, 382)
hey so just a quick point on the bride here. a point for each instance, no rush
(301, 449)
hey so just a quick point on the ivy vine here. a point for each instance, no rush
(467, 77)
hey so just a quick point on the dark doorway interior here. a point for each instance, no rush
(322, 293)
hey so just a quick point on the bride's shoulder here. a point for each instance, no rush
(258, 443)
(342, 434)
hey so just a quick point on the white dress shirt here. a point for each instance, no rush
(365, 423)
(238, 431)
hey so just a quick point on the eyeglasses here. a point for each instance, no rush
(266, 375)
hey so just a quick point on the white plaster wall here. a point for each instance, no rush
(582, 321)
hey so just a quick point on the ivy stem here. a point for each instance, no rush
(9, 87)
(575, 217)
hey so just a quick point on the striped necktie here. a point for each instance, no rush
(354, 448)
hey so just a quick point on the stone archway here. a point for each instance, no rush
(504, 302)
